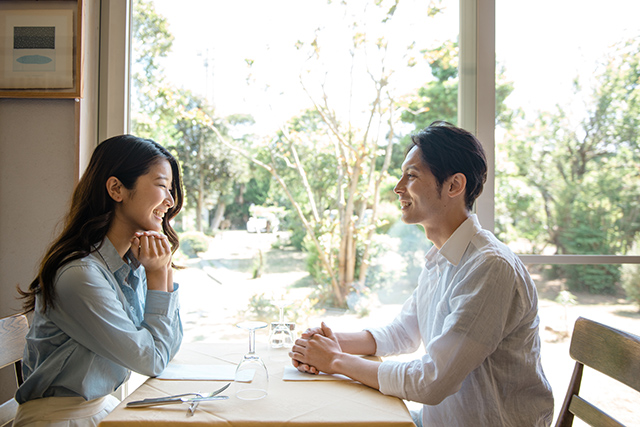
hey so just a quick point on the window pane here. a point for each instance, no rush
(316, 94)
(566, 141)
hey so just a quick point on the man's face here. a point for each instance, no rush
(420, 199)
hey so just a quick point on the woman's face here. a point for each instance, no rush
(144, 206)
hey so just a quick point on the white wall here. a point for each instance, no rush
(37, 175)
(44, 145)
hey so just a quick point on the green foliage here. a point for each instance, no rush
(395, 168)
(151, 111)
(438, 99)
(152, 40)
(592, 278)
(193, 242)
(181, 121)
(209, 169)
(261, 308)
(631, 282)
(258, 265)
(388, 214)
(571, 183)
(298, 233)
(314, 268)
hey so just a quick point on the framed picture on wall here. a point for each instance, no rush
(40, 49)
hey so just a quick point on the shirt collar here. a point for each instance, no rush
(111, 257)
(457, 244)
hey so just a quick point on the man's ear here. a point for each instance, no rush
(457, 185)
(115, 189)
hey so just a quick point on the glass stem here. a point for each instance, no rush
(252, 341)
(281, 314)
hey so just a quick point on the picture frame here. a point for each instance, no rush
(41, 48)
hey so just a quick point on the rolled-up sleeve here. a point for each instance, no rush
(481, 308)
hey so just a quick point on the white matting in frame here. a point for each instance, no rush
(36, 49)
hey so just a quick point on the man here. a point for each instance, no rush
(474, 309)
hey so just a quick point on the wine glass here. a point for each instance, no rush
(251, 374)
(281, 333)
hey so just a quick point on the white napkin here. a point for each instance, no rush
(200, 372)
(292, 374)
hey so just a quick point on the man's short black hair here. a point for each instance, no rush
(446, 150)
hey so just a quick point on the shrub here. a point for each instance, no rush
(593, 278)
(261, 308)
(193, 242)
(631, 282)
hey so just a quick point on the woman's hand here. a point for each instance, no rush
(153, 251)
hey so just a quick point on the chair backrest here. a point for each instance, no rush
(614, 353)
(13, 332)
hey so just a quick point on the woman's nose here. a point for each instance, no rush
(169, 200)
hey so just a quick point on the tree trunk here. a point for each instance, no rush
(200, 205)
(218, 215)
(348, 244)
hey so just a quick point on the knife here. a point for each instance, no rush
(177, 398)
(168, 401)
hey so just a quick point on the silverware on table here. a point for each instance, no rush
(179, 398)
(156, 402)
(192, 409)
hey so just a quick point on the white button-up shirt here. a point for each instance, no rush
(476, 311)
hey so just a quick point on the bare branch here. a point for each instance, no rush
(303, 175)
(310, 231)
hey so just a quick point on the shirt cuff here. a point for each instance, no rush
(390, 378)
(378, 335)
(162, 303)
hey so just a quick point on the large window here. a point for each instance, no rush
(566, 140)
(273, 105)
(295, 114)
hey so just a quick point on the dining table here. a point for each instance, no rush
(293, 399)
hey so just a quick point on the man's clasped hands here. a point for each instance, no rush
(316, 350)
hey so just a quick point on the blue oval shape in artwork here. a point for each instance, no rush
(34, 59)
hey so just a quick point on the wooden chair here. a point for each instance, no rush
(614, 353)
(13, 332)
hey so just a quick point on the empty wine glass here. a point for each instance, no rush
(281, 333)
(251, 377)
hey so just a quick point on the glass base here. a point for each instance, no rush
(251, 394)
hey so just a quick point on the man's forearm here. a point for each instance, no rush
(357, 342)
(357, 368)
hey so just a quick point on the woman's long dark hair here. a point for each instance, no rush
(125, 157)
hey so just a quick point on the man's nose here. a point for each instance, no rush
(399, 188)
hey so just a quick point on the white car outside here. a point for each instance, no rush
(263, 224)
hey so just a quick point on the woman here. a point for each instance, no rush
(104, 300)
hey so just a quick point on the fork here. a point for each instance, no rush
(178, 398)
(194, 404)
(192, 408)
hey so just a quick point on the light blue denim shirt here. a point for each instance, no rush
(103, 325)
